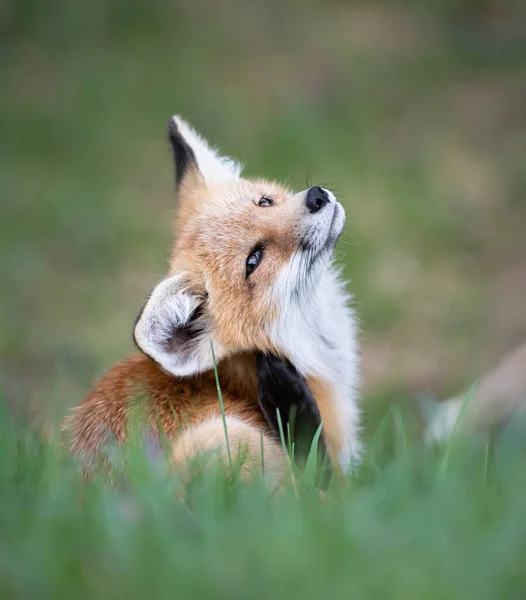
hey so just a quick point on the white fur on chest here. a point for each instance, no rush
(317, 331)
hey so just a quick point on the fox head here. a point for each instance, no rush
(245, 266)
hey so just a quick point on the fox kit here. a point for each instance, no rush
(250, 276)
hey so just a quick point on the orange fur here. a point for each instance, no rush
(324, 395)
(170, 402)
(216, 261)
(249, 452)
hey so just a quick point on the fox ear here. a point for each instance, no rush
(194, 158)
(173, 329)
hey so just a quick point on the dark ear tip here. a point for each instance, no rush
(182, 152)
(173, 129)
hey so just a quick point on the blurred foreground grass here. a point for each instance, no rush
(424, 524)
(413, 112)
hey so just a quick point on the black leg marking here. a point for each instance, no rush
(281, 387)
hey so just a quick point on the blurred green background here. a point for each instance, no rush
(413, 112)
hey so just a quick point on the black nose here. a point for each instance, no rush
(317, 198)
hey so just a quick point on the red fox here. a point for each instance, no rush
(251, 276)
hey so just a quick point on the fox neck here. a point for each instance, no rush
(237, 375)
(318, 334)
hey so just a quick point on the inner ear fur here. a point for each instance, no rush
(173, 328)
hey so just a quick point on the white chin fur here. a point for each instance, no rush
(338, 221)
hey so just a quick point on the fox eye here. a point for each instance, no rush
(253, 260)
(265, 201)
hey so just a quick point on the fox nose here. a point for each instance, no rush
(317, 198)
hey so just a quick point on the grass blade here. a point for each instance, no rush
(311, 465)
(221, 404)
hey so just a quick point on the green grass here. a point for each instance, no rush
(406, 528)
